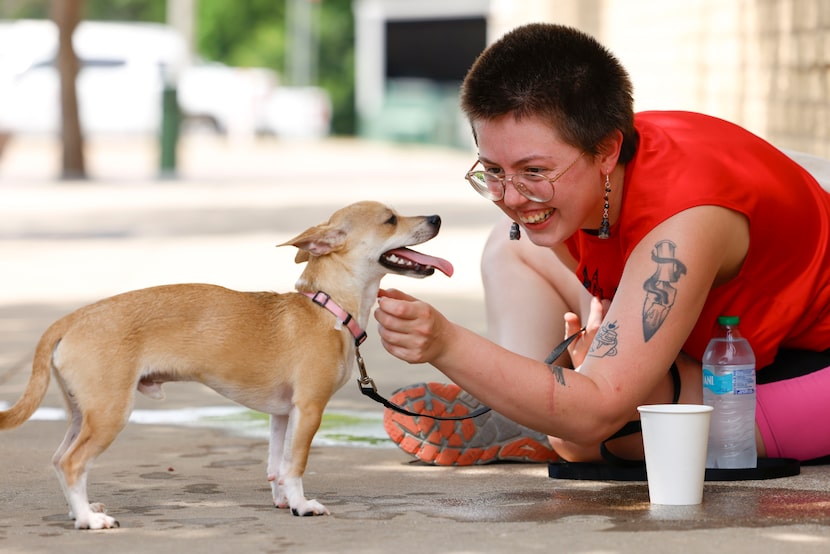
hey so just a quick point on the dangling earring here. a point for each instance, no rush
(515, 231)
(604, 226)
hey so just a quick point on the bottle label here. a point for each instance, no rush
(743, 381)
(717, 384)
(740, 381)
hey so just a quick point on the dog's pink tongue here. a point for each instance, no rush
(440, 264)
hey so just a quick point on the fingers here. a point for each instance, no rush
(579, 348)
(596, 314)
(396, 294)
(572, 324)
(407, 326)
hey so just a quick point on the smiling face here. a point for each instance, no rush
(508, 146)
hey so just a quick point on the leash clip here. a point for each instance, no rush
(365, 382)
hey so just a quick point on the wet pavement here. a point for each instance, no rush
(177, 486)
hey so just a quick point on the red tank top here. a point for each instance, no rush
(683, 160)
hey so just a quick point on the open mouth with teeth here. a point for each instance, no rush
(537, 218)
(409, 262)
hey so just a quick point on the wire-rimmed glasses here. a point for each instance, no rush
(537, 187)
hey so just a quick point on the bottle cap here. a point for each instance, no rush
(729, 320)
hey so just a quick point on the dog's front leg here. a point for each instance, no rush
(279, 424)
(302, 425)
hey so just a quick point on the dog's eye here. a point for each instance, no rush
(392, 220)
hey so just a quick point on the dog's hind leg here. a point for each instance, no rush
(73, 467)
(279, 424)
(90, 433)
(302, 425)
(74, 416)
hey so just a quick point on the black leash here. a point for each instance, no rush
(368, 388)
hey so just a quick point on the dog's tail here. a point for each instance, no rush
(38, 381)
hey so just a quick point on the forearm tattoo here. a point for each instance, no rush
(558, 373)
(660, 294)
(605, 343)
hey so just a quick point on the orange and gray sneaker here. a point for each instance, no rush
(485, 439)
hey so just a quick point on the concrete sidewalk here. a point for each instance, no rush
(177, 487)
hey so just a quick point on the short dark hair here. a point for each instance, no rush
(559, 74)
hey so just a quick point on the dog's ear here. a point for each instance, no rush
(317, 241)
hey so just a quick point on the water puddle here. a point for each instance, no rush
(339, 428)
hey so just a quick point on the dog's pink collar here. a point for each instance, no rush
(322, 299)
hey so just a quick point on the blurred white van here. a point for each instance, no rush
(123, 70)
(125, 67)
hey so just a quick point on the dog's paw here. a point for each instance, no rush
(96, 520)
(278, 495)
(310, 508)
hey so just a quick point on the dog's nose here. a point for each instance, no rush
(434, 220)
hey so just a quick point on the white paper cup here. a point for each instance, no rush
(675, 438)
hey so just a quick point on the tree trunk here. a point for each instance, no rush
(67, 15)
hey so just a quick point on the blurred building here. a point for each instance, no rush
(410, 58)
(764, 64)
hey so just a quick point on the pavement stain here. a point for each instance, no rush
(157, 475)
(207, 522)
(244, 462)
(205, 450)
(626, 508)
(264, 507)
(203, 488)
(156, 510)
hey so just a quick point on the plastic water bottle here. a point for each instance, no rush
(729, 387)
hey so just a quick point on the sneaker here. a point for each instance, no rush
(485, 439)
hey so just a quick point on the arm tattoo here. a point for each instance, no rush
(660, 293)
(559, 373)
(605, 343)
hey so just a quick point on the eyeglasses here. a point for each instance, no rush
(533, 186)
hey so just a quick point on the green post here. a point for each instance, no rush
(169, 131)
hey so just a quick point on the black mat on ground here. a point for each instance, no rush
(768, 468)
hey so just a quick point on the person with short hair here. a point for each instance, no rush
(635, 232)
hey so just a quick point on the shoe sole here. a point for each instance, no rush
(486, 439)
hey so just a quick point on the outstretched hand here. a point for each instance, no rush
(410, 329)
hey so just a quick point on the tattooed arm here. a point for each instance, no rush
(664, 286)
(624, 367)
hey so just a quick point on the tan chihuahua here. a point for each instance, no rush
(281, 354)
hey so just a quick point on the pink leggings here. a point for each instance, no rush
(793, 416)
